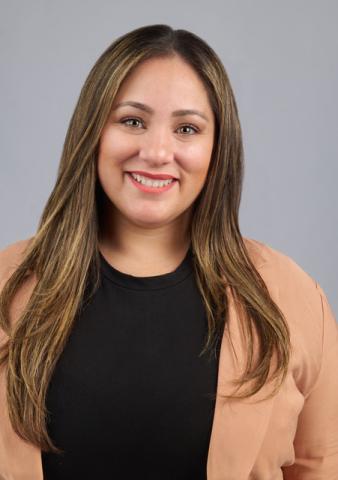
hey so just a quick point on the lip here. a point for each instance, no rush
(158, 176)
(152, 190)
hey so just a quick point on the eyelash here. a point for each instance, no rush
(139, 120)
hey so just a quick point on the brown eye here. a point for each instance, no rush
(190, 126)
(124, 120)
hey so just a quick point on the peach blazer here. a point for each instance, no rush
(292, 436)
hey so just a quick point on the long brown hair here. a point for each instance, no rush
(64, 253)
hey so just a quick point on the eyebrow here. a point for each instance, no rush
(146, 108)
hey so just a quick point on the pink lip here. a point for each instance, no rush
(162, 176)
(144, 188)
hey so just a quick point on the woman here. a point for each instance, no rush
(146, 337)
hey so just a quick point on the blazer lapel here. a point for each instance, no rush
(239, 425)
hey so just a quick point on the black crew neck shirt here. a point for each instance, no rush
(130, 396)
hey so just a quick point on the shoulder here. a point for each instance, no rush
(278, 268)
(313, 327)
(10, 258)
(295, 290)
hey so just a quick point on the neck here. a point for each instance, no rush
(144, 249)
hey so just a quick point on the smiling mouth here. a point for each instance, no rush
(152, 186)
(156, 182)
(152, 176)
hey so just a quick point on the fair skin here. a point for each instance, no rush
(146, 233)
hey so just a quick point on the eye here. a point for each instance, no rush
(125, 120)
(195, 129)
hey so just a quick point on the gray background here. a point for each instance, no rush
(282, 60)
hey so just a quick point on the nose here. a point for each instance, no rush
(156, 146)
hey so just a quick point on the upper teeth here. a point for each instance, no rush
(149, 182)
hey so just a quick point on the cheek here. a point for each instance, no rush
(197, 162)
(196, 167)
(113, 148)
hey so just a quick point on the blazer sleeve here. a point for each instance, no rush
(316, 438)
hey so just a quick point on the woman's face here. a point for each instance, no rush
(156, 137)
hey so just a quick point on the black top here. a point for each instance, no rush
(129, 394)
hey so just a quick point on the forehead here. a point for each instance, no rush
(169, 77)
